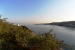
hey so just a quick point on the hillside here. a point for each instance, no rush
(13, 37)
(66, 23)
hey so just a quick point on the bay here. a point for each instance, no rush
(62, 33)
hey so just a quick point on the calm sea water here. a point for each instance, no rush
(62, 33)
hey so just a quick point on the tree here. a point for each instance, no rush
(0, 16)
(4, 19)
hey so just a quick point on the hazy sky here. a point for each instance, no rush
(37, 11)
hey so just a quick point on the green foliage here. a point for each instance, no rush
(45, 42)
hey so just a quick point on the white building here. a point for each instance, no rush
(18, 25)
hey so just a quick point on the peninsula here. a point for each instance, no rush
(65, 23)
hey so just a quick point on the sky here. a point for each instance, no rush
(37, 11)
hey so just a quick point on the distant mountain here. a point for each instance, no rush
(66, 23)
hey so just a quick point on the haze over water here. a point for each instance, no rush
(62, 33)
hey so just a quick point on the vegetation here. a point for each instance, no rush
(13, 37)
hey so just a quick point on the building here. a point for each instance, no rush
(18, 25)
